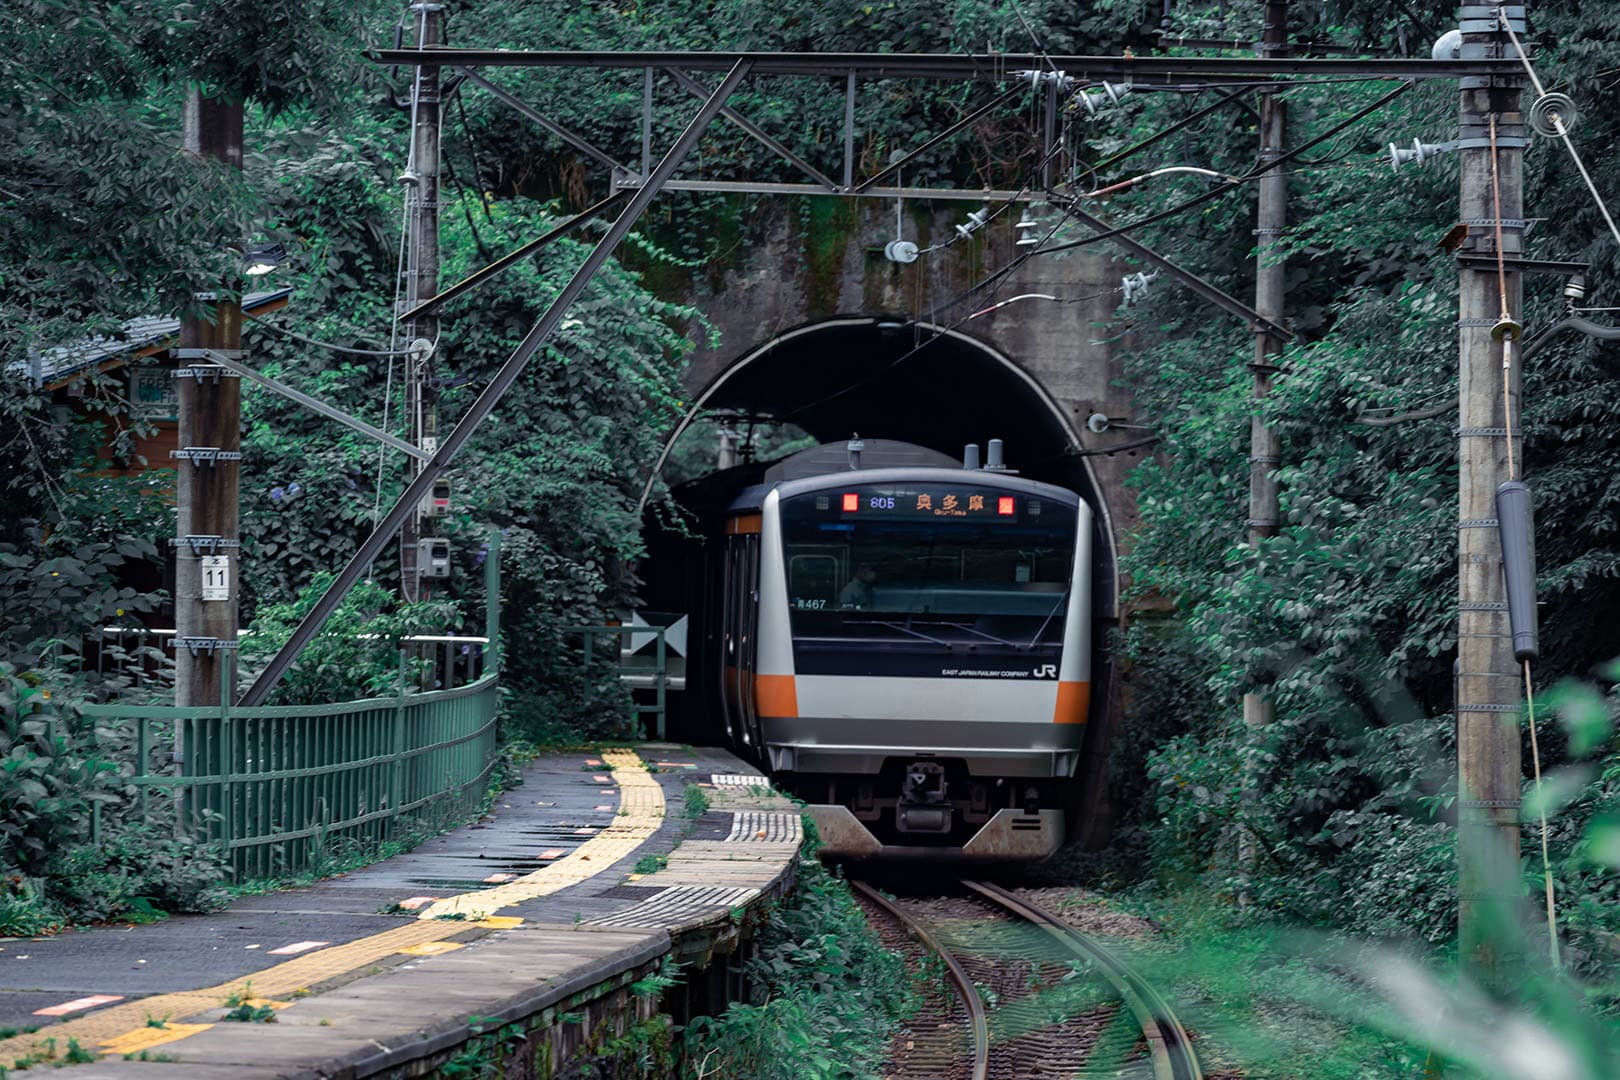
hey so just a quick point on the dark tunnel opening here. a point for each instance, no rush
(893, 379)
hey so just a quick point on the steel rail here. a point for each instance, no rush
(964, 985)
(1168, 1044)
(992, 67)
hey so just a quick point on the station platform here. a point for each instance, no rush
(532, 920)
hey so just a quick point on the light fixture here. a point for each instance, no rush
(259, 259)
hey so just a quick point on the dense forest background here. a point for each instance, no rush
(1347, 616)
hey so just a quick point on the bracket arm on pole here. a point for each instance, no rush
(316, 405)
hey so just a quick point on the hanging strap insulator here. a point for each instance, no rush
(1516, 529)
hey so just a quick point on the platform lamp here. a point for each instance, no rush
(259, 259)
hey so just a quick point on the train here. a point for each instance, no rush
(900, 639)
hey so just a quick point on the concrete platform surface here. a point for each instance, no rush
(497, 921)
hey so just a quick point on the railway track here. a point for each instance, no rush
(1024, 1005)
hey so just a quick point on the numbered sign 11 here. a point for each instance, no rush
(216, 577)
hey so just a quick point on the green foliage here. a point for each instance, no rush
(826, 994)
(56, 772)
(53, 775)
(57, 598)
(357, 654)
(1345, 620)
(656, 983)
(251, 1014)
(695, 801)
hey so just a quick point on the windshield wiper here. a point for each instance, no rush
(980, 633)
(1059, 606)
(897, 626)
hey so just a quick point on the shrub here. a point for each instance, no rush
(827, 994)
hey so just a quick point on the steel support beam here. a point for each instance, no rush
(747, 187)
(697, 89)
(467, 284)
(492, 393)
(313, 404)
(532, 113)
(1142, 71)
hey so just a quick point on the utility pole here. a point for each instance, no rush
(1491, 200)
(1270, 283)
(208, 462)
(421, 278)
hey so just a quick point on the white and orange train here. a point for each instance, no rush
(907, 647)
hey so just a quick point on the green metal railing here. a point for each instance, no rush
(632, 670)
(276, 786)
(279, 788)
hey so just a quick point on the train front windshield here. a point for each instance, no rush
(932, 568)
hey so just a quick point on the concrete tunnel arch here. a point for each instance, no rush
(889, 377)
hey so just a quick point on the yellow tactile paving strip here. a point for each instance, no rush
(145, 1038)
(118, 1021)
(641, 812)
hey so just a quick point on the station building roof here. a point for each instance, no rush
(143, 335)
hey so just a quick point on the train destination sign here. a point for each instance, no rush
(932, 502)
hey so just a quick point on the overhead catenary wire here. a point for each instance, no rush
(332, 346)
(399, 283)
(1199, 200)
(1558, 124)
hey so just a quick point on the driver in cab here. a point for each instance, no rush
(857, 594)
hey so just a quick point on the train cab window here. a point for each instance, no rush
(935, 581)
(813, 581)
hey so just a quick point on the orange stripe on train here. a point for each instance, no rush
(1073, 703)
(776, 695)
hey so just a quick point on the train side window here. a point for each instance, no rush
(813, 580)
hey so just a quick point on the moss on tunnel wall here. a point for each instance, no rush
(826, 228)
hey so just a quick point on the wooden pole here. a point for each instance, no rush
(210, 417)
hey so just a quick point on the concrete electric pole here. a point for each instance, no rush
(421, 278)
(1270, 282)
(208, 462)
(1488, 678)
